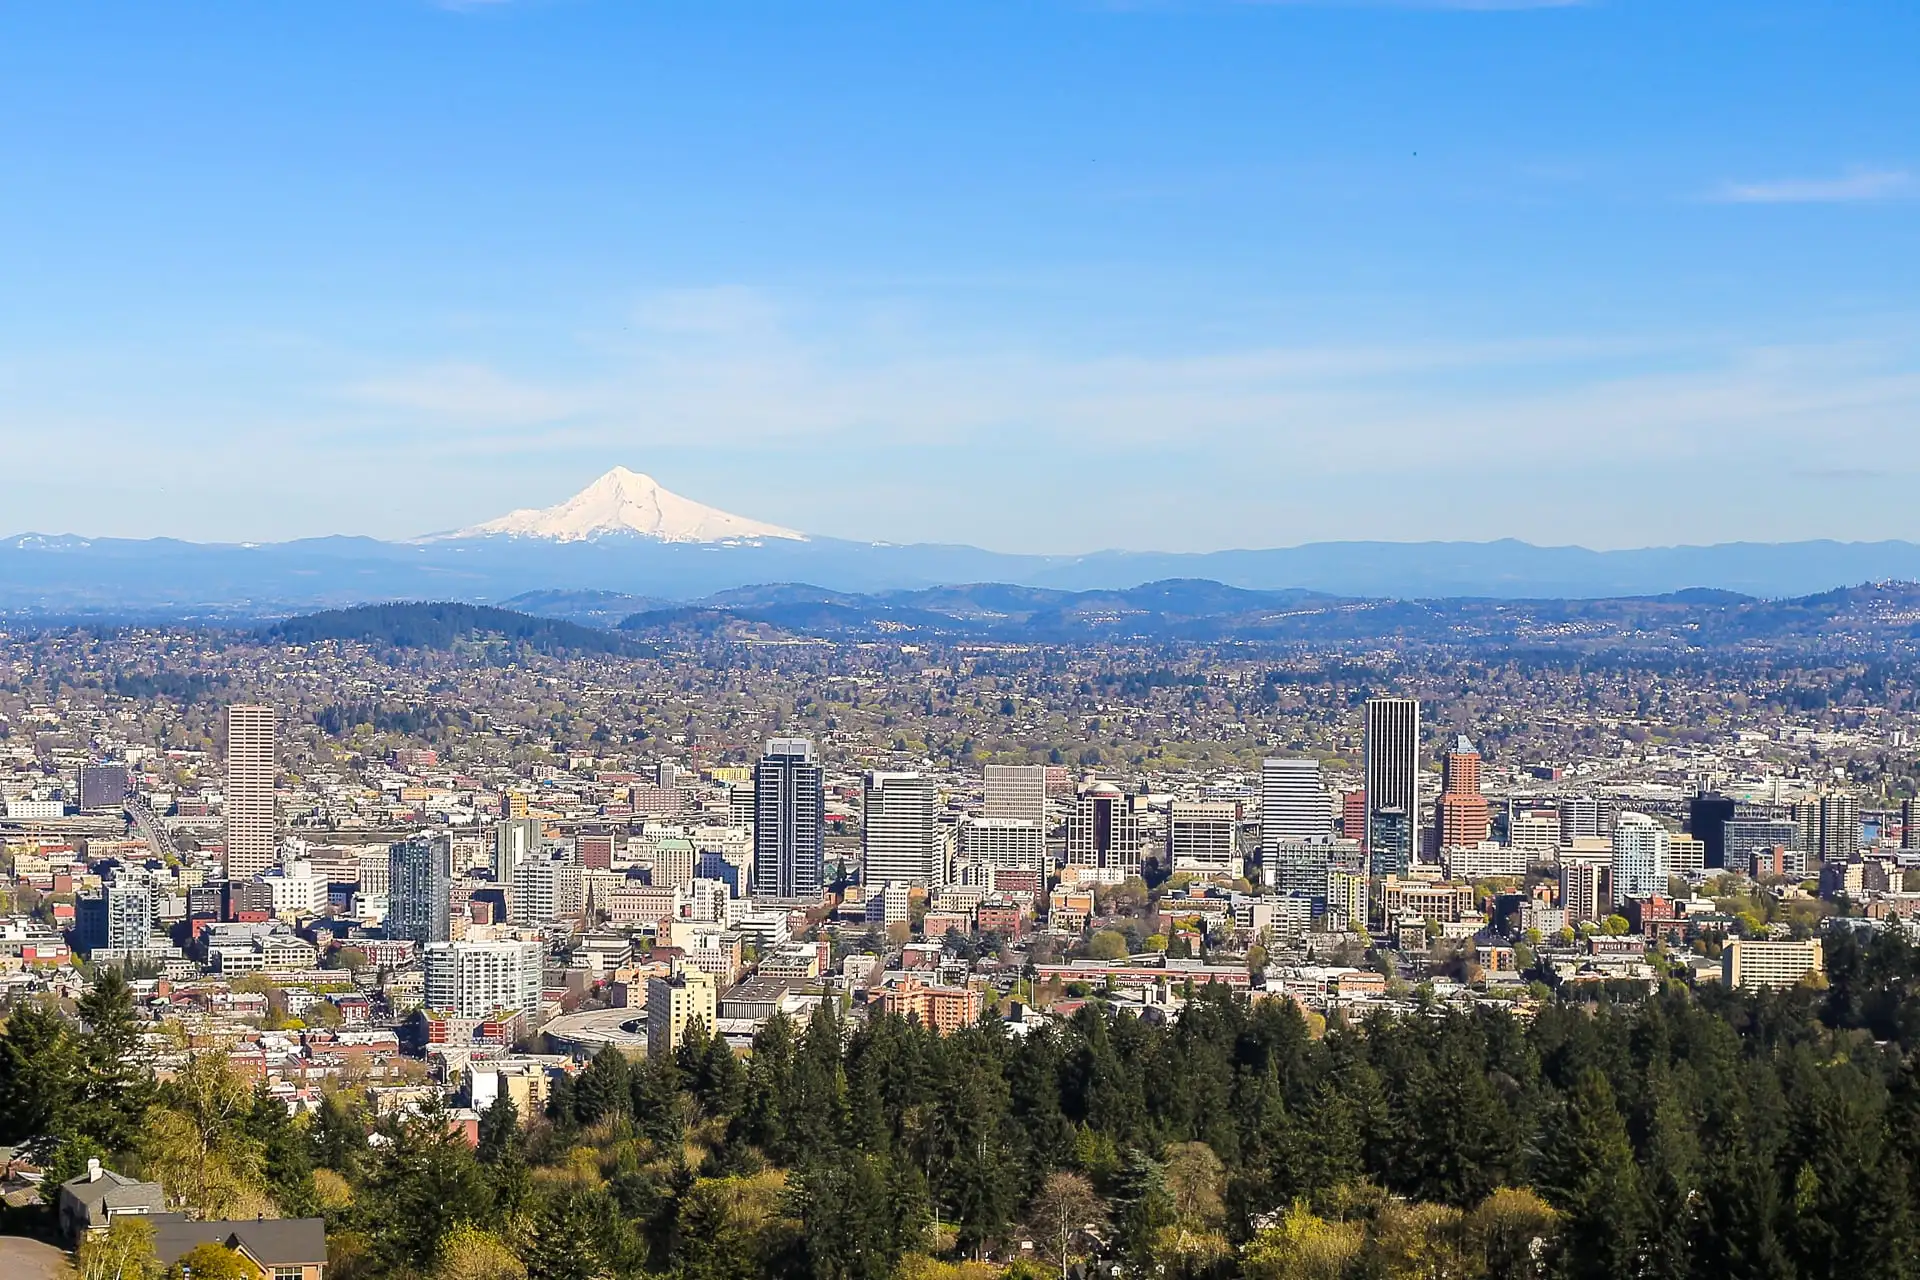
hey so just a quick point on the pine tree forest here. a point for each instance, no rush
(1697, 1134)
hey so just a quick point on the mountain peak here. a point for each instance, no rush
(628, 503)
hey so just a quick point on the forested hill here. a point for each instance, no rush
(438, 625)
(1700, 1135)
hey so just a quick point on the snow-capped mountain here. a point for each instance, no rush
(626, 503)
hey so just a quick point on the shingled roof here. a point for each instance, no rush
(272, 1242)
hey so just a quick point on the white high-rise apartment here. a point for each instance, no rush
(1204, 838)
(1393, 764)
(1642, 858)
(253, 761)
(1293, 803)
(675, 1003)
(900, 842)
(475, 979)
(1579, 820)
(1018, 791)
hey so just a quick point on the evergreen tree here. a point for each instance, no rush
(654, 1087)
(813, 1109)
(1668, 1175)
(762, 1117)
(117, 1086)
(1737, 1217)
(422, 1182)
(286, 1157)
(1586, 1171)
(499, 1131)
(1850, 1211)
(1040, 1137)
(501, 1151)
(566, 1243)
(1141, 1205)
(338, 1135)
(856, 1224)
(605, 1089)
(720, 1082)
(964, 1146)
(42, 1078)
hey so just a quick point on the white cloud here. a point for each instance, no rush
(709, 382)
(1852, 187)
(762, 402)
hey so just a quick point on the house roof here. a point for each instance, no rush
(112, 1191)
(269, 1241)
(93, 1190)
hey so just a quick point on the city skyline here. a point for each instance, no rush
(895, 276)
(1207, 639)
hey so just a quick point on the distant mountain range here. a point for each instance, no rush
(1879, 621)
(1879, 618)
(625, 535)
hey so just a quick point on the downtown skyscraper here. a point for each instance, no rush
(253, 762)
(1017, 791)
(420, 888)
(1460, 814)
(1293, 802)
(789, 823)
(900, 841)
(1393, 783)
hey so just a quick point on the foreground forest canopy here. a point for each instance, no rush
(1705, 1134)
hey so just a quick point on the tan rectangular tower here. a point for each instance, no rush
(253, 761)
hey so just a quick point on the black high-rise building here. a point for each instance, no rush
(789, 823)
(1707, 816)
(420, 889)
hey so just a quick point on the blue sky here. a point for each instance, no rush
(1034, 276)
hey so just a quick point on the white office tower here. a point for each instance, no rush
(1204, 838)
(1013, 844)
(478, 979)
(1018, 791)
(420, 888)
(789, 823)
(1642, 858)
(1293, 806)
(1393, 768)
(1103, 834)
(253, 761)
(899, 839)
(515, 840)
(546, 890)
